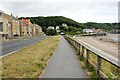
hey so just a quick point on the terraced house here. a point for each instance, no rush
(5, 25)
(16, 26)
(29, 29)
(38, 30)
(24, 27)
(11, 27)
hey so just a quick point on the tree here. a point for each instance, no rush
(51, 32)
(45, 22)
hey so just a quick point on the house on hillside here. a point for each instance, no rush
(97, 30)
(62, 33)
(87, 31)
(116, 31)
(64, 24)
(57, 29)
(51, 27)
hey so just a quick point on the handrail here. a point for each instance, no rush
(100, 54)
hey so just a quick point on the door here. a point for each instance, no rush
(9, 30)
(1, 27)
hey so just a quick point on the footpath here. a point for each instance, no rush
(64, 63)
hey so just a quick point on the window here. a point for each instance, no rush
(1, 27)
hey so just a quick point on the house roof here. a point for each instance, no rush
(25, 22)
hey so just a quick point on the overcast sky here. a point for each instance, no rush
(79, 10)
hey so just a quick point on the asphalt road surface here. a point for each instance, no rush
(10, 46)
(64, 63)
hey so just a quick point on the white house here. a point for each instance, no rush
(50, 27)
(57, 27)
(87, 30)
(64, 24)
(62, 33)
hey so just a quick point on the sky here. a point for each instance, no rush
(101, 11)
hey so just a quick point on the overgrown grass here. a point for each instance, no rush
(107, 68)
(110, 70)
(29, 62)
(89, 68)
(93, 58)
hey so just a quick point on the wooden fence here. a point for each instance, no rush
(80, 46)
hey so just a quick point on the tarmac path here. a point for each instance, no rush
(64, 63)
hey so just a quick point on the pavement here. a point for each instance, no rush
(11, 46)
(64, 63)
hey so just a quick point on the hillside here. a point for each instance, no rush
(45, 22)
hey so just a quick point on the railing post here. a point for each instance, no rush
(87, 55)
(82, 50)
(77, 45)
(99, 63)
(74, 43)
(79, 48)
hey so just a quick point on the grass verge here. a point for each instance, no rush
(29, 62)
(107, 68)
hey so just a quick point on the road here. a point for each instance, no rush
(10, 46)
(64, 63)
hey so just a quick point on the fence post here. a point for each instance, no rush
(99, 63)
(77, 45)
(82, 50)
(79, 48)
(74, 43)
(87, 55)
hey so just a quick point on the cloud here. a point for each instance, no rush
(79, 10)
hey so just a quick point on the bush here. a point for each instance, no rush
(51, 32)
